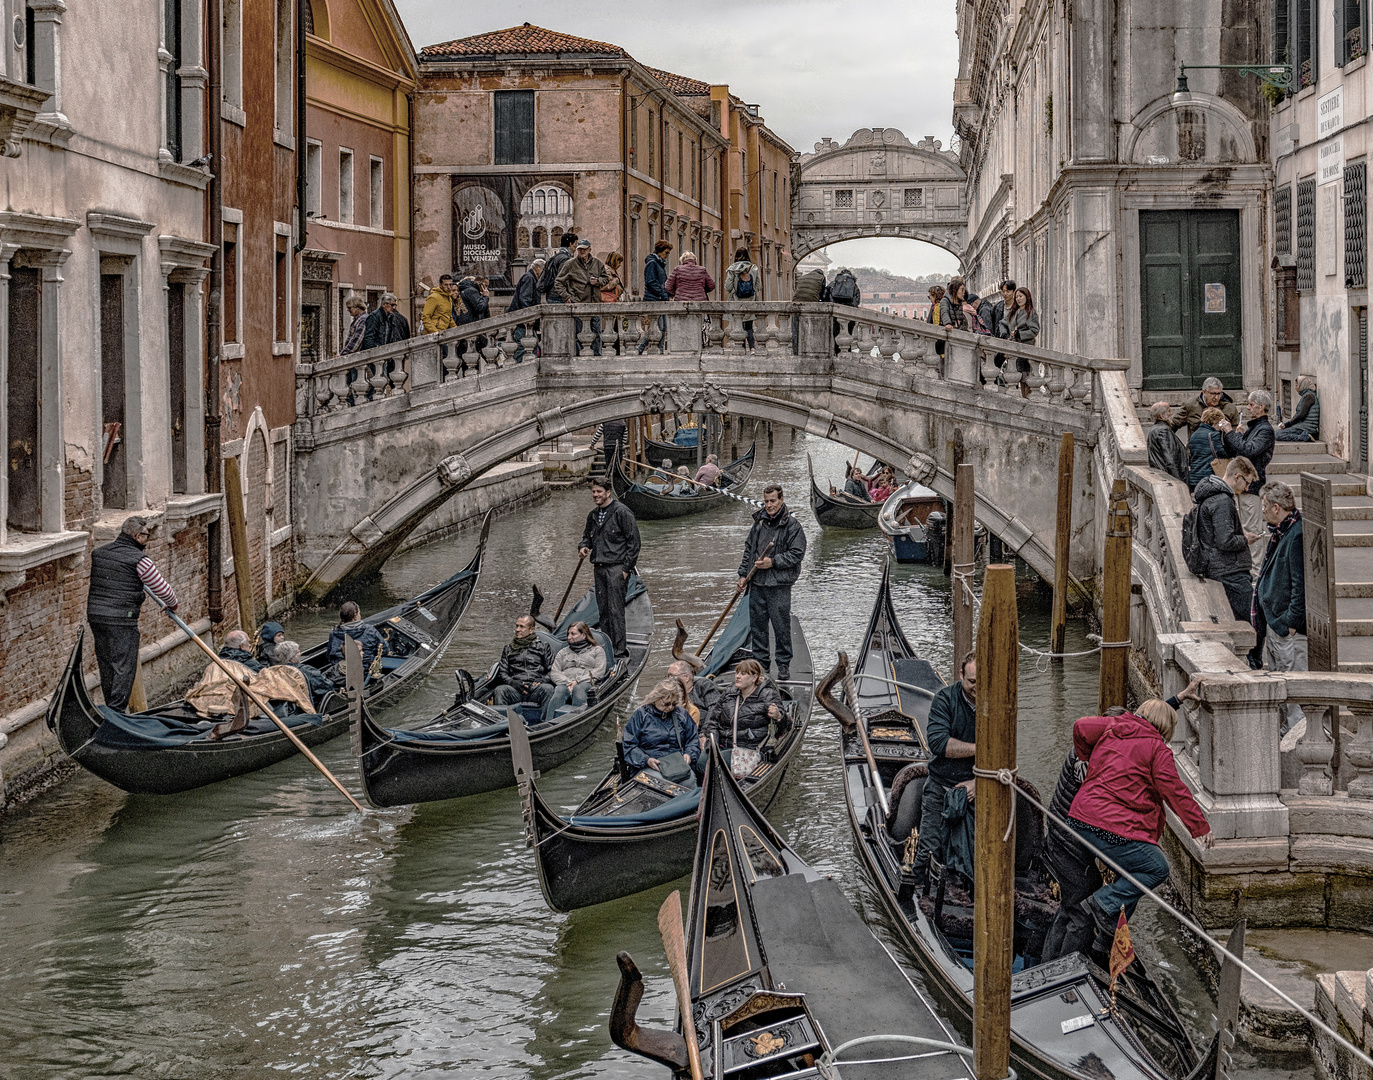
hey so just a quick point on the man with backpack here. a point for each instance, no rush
(844, 290)
(555, 264)
(1214, 543)
(741, 284)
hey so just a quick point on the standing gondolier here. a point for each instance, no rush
(769, 593)
(119, 570)
(611, 539)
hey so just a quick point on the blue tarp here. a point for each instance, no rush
(734, 637)
(149, 731)
(464, 735)
(685, 436)
(681, 806)
(585, 610)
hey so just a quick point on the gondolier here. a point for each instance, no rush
(611, 540)
(119, 570)
(769, 592)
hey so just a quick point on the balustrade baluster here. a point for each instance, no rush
(491, 350)
(773, 334)
(1315, 752)
(886, 343)
(323, 391)
(990, 372)
(399, 375)
(509, 346)
(721, 327)
(1359, 754)
(452, 362)
(376, 378)
(1057, 383)
(585, 338)
(610, 335)
(843, 337)
(715, 336)
(1081, 389)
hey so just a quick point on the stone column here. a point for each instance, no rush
(193, 278)
(47, 53)
(52, 462)
(193, 81)
(6, 254)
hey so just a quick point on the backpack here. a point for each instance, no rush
(743, 285)
(1193, 554)
(845, 289)
(550, 272)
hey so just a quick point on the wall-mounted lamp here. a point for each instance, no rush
(1278, 76)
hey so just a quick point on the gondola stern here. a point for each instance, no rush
(824, 694)
(70, 706)
(665, 1047)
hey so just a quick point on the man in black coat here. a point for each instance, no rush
(522, 671)
(385, 325)
(1256, 444)
(526, 296)
(952, 734)
(549, 277)
(1280, 595)
(1223, 539)
(237, 647)
(611, 540)
(1166, 451)
(119, 570)
(769, 593)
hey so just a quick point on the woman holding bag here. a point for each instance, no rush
(662, 735)
(742, 717)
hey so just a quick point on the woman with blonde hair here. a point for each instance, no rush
(746, 709)
(662, 735)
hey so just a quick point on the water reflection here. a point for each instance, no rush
(255, 926)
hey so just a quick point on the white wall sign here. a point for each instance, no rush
(1330, 113)
(1331, 160)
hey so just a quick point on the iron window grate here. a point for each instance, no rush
(1282, 219)
(1355, 225)
(1306, 234)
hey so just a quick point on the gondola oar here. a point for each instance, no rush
(743, 586)
(850, 716)
(673, 929)
(568, 591)
(255, 699)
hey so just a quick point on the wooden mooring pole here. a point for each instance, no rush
(963, 563)
(238, 542)
(1058, 623)
(1115, 602)
(998, 652)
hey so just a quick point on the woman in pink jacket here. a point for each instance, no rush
(689, 280)
(1131, 775)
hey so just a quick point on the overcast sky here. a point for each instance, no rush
(816, 67)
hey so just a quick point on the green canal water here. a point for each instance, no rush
(257, 928)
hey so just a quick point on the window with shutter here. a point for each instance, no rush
(1282, 219)
(1306, 234)
(514, 115)
(1355, 227)
(1281, 10)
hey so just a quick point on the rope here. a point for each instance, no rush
(1005, 777)
(825, 1066)
(1196, 928)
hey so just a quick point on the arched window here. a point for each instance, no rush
(540, 237)
(557, 235)
(522, 237)
(538, 202)
(527, 204)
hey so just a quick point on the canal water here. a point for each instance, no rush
(255, 927)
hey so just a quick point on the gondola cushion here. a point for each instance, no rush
(680, 806)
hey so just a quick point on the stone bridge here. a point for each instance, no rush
(387, 436)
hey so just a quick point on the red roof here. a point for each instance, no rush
(526, 40)
(680, 84)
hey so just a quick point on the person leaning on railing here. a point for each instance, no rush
(1280, 593)
(357, 308)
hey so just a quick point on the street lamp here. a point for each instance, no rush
(1279, 76)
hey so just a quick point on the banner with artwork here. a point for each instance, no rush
(501, 220)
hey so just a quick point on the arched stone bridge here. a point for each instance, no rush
(387, 436)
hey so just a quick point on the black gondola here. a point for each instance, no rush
(1065, 1022)
(840, 511)
(466, 749)
(165, 750)
(637, 830)
(651, 505)
(678, 453)
(782, 971)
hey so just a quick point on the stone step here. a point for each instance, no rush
(1299, 449)
(1353, 534)
(1315, 463)
(1355, 615)
(1352, 507)
(1356, 654)
(1353, 572)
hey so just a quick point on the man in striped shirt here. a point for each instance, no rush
(119, 570)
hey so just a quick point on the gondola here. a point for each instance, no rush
(1066, 1024)
(782, 970)
(840, 511)
(637, 830)
(165, 750)
(466, 748)
(904, 521)
(655, 506)
(679, 453)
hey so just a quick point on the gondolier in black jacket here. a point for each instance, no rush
(769, 593)
(119, 570)
(611, 539)
(952, 734)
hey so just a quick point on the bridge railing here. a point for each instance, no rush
(781, 332)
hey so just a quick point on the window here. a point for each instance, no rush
(376, 216)
(633, 133)
(540, 237)
(24, 512)
(843, 199)
(776, 202)
(229, 302)
(30, 59)
(285, 50)
(514, 127)
(1351, 29)
(1355, 225)
(114, 486)
(652, 127)
(743, 178)
(283, 284)
(176, 368)
(694, 168)
(345, 185)
(1306, 234)
(231, 51)
(914, 198)
(314, 178)
(171, 39)
(1282, 220)
(681, 180)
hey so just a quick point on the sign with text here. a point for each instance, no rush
(1329, 113)
(1318, 552)
(1329, 122)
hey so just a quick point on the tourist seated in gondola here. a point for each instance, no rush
(702, 695)
(288, 652)
(952, 735)
(236, 647)
(709, 472)
(854, 485)
(684, 486)
(268, 638)
(1131, 775)
(883, 486)
(574, 670)
(660, 481)
(662, 735)
(745, 711)
(350, 625)
(215, 693)
(522, 673)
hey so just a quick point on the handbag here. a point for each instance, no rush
(742, 761)
(1218, 464)
(674, 767)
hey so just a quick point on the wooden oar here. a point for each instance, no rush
(767, 551)
(851, 692)
(568, 591)
(673, 929)
(709, 487)
(256, 700)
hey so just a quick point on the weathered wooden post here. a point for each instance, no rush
(998, 652)
(238, 541)
(1058, 625)
(963, 564)
(1115, 602)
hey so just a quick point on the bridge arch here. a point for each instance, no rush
(879, 184)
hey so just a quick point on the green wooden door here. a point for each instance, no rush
(1190, 297)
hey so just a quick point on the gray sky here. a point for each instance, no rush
(816, 67)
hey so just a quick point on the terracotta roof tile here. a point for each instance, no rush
(526, 40)
(680, 84)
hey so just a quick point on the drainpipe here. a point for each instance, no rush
(213, 318)
(627, 273)
(410, 209)
(301, 155)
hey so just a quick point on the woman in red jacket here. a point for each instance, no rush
(689, 280)
(1119, 808)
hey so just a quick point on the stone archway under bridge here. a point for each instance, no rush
(368, 473)
(878, 184)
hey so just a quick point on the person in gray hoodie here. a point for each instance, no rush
(742, 283)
